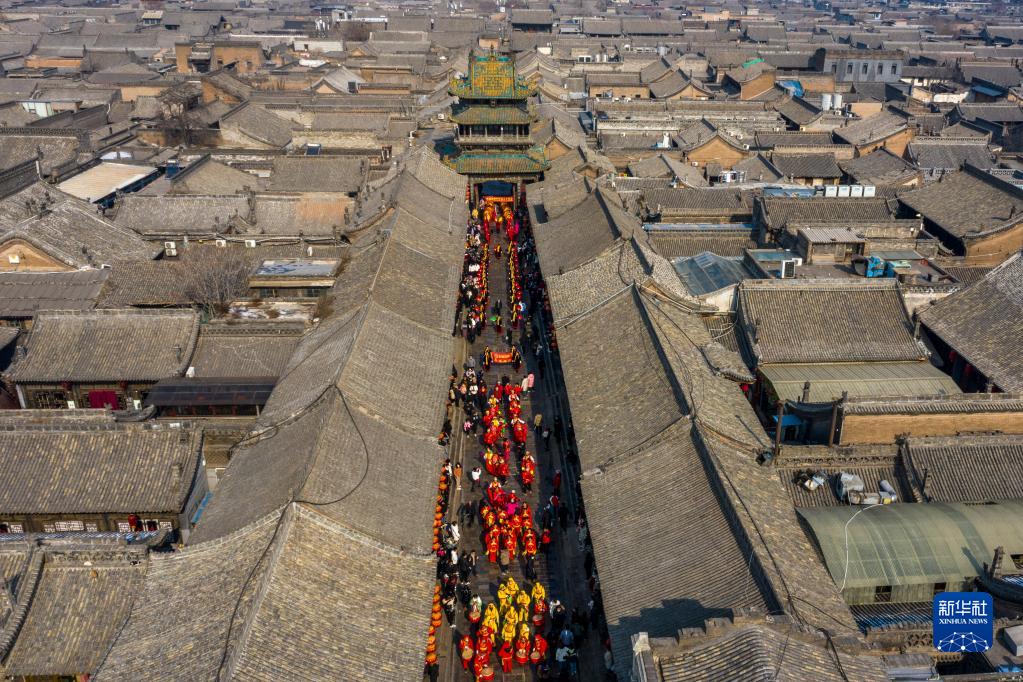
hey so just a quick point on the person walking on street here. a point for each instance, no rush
(474, 476)
(448, 604)
(537, 421)
(546, 439)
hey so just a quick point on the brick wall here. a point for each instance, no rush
(18, 177)
(884, 428)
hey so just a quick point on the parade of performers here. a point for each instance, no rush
(509, 629)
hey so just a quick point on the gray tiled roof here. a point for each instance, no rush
(791, 321)
(966, 468)
(424, 165)
(311, 215)
(799, 111)
(56, 151)
(978, 320)
(877, 167)
(963, 403)
(22, 294)
(600, 279)
(191, 214)
(672, 244)
(760, 653)
(674, 83)
(207, 177)
(996, 112)
(768, 140)
(968, 204)
(244, 350)
(254, 604)
(872, 128)
(179, 624)
(260, 124)
(582, 232)
(644, 511)
(681, 202)
(362, 392)
(758, 168)
(780, 211)
(621, 393)
(68, 229)
(807, 165)
(317, 174)
(115, 469)
(81, 598)
(635, 365)
(950, 155)
(108, 345)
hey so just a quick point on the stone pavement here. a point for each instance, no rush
(562, 571)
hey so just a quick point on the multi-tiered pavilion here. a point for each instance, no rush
(493, 119)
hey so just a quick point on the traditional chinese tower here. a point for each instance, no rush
(493, 117)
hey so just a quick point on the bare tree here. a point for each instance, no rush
(214, 277)
(180, 124)
(355, 31)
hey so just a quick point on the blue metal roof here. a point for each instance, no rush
(795, 86)
(989, 91)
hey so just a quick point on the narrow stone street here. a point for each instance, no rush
(562, 569)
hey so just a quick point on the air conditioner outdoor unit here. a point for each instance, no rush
(250, 243)
(788, 269)
(222, 243)
(170, 245)
(170, 253)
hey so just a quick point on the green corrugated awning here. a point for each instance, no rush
(860, 379)
(907, 543)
